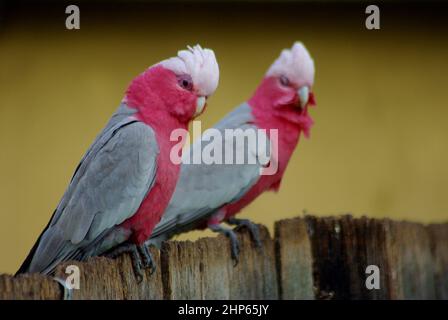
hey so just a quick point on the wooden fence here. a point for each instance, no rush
(308, 258)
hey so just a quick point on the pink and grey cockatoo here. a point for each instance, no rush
(124, 182)
(208, 194)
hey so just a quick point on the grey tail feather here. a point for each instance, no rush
(26, 264)
(74, 255)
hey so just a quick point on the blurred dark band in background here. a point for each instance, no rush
(425, 15)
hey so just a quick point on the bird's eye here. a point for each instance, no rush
(185, 82)
(284, 81)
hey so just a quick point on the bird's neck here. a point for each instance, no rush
(288, 133)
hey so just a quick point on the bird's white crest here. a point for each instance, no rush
(200, 64)
(296, 64)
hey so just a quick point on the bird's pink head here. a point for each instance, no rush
(286, 91)
(177, 87)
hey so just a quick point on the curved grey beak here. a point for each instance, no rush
(304, 96)
(200, 104)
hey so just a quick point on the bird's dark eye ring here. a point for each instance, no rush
(284, 81)
(185, 82)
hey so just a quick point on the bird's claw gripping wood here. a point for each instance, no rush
(136, 252)
(148, 261)
(253, 228)
(234, 243)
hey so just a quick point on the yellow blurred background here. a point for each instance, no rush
(378, 147)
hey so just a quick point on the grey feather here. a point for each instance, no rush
(107, 188)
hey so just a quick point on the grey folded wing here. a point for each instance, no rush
(204, 188)
(107, 188)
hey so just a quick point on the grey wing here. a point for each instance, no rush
(202, 189)
(107, 188)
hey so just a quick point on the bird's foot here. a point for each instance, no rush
(148, 261)
(136, 252)
(253, 228)
(234, 243)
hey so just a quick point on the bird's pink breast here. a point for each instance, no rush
(288, 137)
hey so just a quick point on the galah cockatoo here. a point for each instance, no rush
(124, 182)
(208, 194)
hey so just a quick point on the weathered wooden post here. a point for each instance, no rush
(309, 257)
